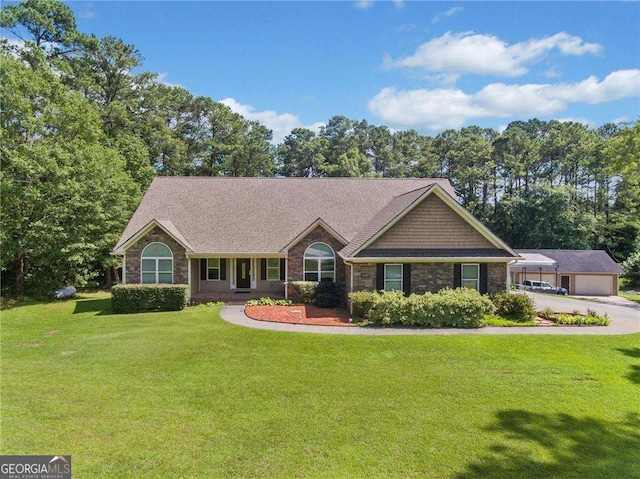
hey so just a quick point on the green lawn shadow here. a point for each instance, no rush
(575, 447)
(101, 307)
(634, 375)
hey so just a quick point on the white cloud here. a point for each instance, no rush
(363, 4)
(620, 119)
(578, 119)
(398, 3)
(162, 78)
(449, 13)
(280, 123)
(488, 55)
(441, 108)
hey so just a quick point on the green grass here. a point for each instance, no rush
(188, 395)
(632, 297)
(494, 320)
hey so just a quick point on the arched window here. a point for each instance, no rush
(157, 264)
(319, 263)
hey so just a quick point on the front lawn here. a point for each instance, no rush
(188, 395)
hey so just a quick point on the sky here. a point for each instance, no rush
(428, 66)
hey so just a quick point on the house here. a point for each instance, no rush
(230, 235)
(590, 273)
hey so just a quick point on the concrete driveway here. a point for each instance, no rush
(624, 315)
(624, 320)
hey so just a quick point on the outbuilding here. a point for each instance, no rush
(581, 272)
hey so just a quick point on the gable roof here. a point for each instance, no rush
(265, 215)
(402, 205)
(576, 261)
(166, 225)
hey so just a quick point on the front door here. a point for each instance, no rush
(564, 282)
(243, 274)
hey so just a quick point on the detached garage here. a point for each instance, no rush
(588, 273)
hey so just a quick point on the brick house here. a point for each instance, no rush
(224, 236)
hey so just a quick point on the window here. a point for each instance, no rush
(273, 269)
(471, 276)
(213, 269)
(157, 264)
(393, 277)
(319, 263)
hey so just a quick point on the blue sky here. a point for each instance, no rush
(405, 64)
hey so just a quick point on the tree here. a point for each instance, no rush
(300, 154)
(66, 192)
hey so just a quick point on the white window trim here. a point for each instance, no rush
(477, 280)
(272, 268)
(218, 268)
(156, 258)
(318, 269)
(401, 276)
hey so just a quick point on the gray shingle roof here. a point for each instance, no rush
(578, 261)
(389, 212)
(262, 215)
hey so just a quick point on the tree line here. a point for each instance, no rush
(85, 129)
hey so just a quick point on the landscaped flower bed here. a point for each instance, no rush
(299, 314)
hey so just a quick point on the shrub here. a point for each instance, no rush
(579, 319)
(328, 295)
(302, 291)
(269, 302)
(517, 307)
(388, 308)
(138, 298)
(546, 313)
(456, 308)
(631, 268)
(361, 302)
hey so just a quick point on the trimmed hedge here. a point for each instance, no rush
(361, 302)
(514, 306)
(302, 291)
(325, 294)
(448, 308)
(139, 298)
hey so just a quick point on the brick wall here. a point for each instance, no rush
(296, 254)
(156, 235)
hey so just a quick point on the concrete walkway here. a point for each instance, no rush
(234, 313)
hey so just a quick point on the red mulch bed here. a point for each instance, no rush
(299, 314)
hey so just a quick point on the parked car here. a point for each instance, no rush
(543, 287)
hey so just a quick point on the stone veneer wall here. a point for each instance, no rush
(429, 277)
(156, 235)
(296, 254)
(496, 277)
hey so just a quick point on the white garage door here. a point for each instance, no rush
(594, 285)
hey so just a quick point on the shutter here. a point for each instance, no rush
(379, 276)
(263, 269)
(282, 269)
(457, 275)
(483, 278)
(203, 269)
(406, 278)
(223, 269)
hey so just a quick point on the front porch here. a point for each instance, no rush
(236, 279)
